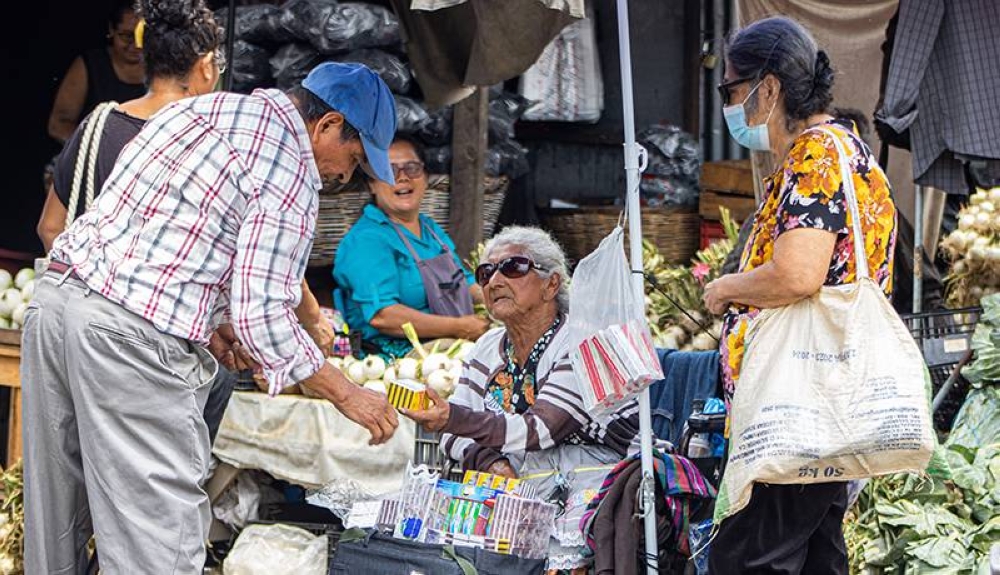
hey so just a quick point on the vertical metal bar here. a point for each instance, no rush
(230, 44)
(635, 241)
(918, 249)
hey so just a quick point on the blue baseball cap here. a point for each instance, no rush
(366, 103)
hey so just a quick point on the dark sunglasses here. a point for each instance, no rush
(513, 267)
(725, 88)
(411, 169)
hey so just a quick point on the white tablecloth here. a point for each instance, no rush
(308, 442)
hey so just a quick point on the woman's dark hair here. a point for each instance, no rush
(782, 47)
(418, 148)
(118, 11)
(177, 33)
(312, 108)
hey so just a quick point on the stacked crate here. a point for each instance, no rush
(729, 184)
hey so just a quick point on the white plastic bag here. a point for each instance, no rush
(611, 348)
(277, 550)
(565, 82)
(832, 388)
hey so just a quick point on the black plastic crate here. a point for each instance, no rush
(945, 339)
(426, 452)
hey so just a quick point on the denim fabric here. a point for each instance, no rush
(688, 375)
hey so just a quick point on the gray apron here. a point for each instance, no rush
(444, 281)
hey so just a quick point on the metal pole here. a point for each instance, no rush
(635, 243)
(230, 44)
(918, 249)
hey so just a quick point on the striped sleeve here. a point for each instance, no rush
(556, 414)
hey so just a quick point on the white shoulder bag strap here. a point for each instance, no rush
(847, 179)
(86, 160)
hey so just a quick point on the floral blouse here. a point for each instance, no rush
(806, 192)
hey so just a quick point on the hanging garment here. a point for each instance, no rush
(943, 85)
(456, 45)
(565, 84)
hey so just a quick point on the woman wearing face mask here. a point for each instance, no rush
(777, 92)
(397, 266)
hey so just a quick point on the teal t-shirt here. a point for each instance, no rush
(374, 270)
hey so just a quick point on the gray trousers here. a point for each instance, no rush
(115, 440)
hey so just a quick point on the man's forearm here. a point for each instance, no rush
(308, 311)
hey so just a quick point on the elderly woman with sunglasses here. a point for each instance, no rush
(517, 410)
(397, 266)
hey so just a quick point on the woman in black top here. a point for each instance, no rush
(115, 72)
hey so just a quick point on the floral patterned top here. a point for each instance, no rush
(806, 192)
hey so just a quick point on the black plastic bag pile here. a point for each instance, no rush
(276, 47)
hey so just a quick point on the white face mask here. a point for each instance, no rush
(752, 137)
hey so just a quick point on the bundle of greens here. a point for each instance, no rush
(928, 525)
(675, 324)
(12, 520)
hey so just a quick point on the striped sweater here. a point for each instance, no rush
(479, 432)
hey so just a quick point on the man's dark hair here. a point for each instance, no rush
(312, 108)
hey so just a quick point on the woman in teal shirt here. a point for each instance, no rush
(378, 271)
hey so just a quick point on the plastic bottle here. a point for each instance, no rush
(700, 445)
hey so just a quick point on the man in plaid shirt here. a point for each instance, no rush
(201, 234)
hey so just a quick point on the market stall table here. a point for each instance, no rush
(10, 376)
(308, 442)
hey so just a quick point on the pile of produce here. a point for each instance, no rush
(12, 520)
(922, 525)
(439, 370)
(684, 284)
(15, 293)
(974, 251)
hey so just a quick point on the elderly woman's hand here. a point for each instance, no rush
(503, 468)
(435, 417)
(716, 296)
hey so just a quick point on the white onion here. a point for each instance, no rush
(24, 275)
(6, 280)
(9, 300)
(356, 372)
(374, 367)
(28, 291)
(994, 195)
(408, 368)
(966, 222)
(18, 314)
(435, 361)
(976, 199)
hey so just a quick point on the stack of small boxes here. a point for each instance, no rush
(614, 365)
(487, 511)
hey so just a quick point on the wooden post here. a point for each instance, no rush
(469, 143)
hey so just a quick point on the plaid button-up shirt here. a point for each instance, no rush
(207, 217)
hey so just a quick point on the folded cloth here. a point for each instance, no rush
(687, 376)
(612, 527)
